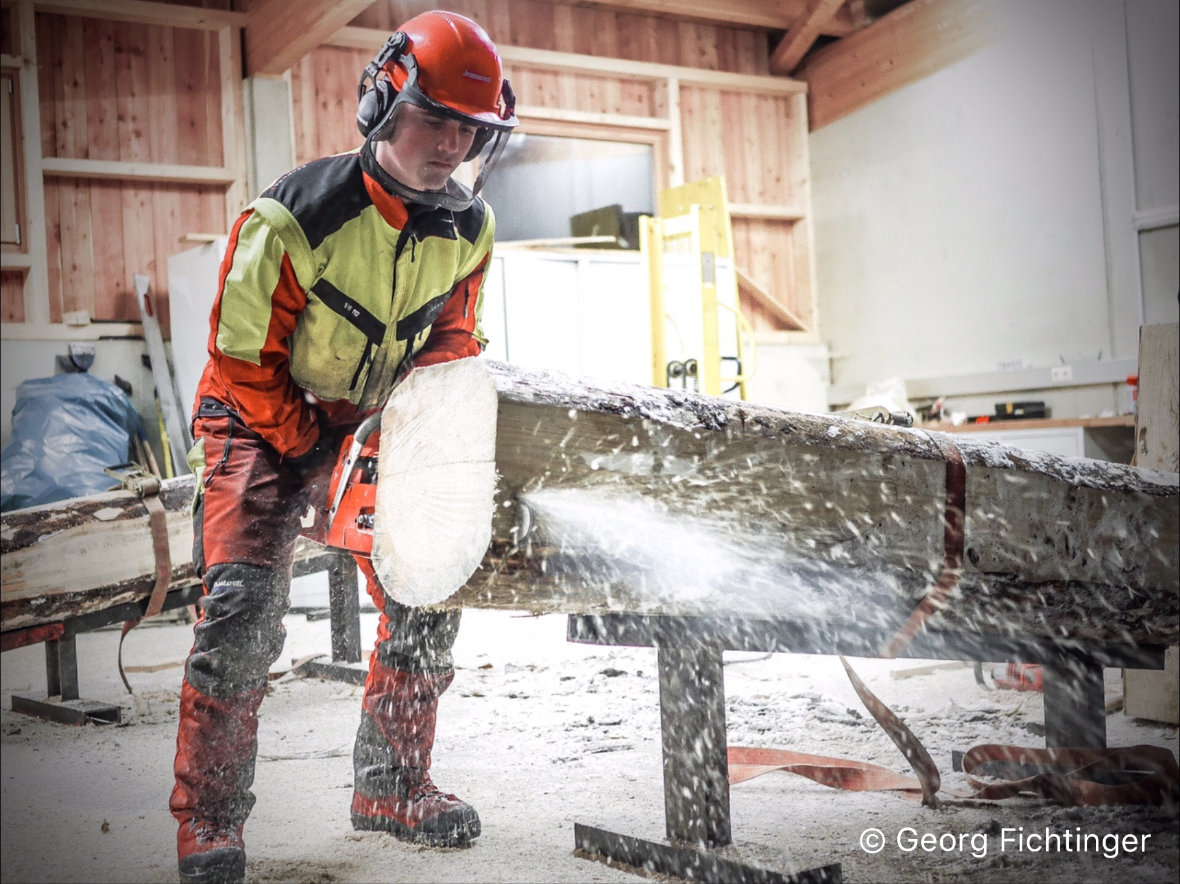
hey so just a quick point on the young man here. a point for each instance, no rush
(338, 280)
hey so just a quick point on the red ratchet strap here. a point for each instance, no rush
(1073, 777)
(915, 753)
(1141, 774)
(954, 514)
(839, 773)
(147, 488)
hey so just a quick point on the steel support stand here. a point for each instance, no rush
(61, 701)
(695, 761)
(343, 600)
(1075, 705)
(692, 735)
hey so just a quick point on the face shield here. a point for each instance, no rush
(492, 130)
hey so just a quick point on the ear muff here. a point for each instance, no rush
(374, 111)
(374, 107)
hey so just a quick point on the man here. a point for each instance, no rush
(338, 280)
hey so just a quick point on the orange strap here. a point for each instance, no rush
(1087, 777)
(1091, 777)
(954, 514)
(148, 490)
(745, 763)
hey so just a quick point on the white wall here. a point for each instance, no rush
(1154, 74)
(983, 215)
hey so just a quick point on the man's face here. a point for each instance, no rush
(426, 149)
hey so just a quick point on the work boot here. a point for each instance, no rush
(419, 812)
(215, 748)
(210, 853)
(394, 792)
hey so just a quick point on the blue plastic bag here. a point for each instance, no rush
(65, 431)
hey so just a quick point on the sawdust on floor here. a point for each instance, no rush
(539, 734)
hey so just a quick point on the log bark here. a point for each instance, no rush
(665, 502)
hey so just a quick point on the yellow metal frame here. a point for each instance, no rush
(698, 211)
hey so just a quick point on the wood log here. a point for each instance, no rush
(91, 553)
(665, 502)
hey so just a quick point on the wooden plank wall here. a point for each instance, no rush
(6, 42)
(758, 142)
(12, 282)
(12, 296)
(113, 90)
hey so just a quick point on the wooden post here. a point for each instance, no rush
(37, 279)
(232, 138)
(1149, 694)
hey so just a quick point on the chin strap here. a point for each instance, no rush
(454, 197)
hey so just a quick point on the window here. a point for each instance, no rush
(541, 181)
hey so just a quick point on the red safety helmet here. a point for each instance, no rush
(445, 63)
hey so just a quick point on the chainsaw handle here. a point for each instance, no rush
(368, 426)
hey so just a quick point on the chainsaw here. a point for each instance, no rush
(352, 491)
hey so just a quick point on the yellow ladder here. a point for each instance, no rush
(694, 221)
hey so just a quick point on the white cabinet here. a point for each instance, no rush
(1065, 441)
(1103, 442)
(589, 313)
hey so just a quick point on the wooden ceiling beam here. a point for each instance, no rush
(370, 39)
(143, 12)
(911, 42)
(801, 35)
(771, 15)
(279, 33)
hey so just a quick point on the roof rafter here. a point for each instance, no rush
(279, 33)
(801, 35)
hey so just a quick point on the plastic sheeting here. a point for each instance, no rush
(65, 431)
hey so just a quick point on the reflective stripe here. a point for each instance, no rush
(422, 317)
(372, 327)
(244, 319)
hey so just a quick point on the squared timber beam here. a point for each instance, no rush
(801, 35)
(279, 33)
(911, 42)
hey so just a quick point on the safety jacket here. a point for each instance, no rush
(331, 289)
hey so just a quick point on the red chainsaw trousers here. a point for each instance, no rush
(253, 508)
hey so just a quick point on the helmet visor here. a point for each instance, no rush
(468, 179)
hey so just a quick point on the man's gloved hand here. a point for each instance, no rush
(324, 448)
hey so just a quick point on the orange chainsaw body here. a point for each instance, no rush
(351, 526)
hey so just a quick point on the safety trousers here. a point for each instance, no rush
(246, 522)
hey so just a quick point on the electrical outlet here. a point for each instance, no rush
(1059, 373)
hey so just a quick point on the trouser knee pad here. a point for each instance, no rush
(241, 631)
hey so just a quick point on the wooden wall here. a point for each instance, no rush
(6, 42)
(132, 92)
(596, 30)
(139, 123)
(12, 282)
(757, 141)
(153, 95)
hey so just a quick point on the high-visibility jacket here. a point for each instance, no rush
(331, 289)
